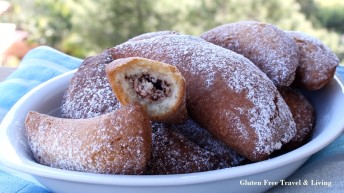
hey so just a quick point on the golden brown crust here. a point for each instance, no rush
(157, 86)
(226, 93)
(317, 62)
(114, 143)
(303, 114)
(267, 46)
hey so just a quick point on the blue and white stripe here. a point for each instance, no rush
(38, 65)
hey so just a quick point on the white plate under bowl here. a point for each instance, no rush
(46, 98)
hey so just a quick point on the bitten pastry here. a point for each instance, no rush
(89, 93)
(225, 92)
(114, 143)
(317, 62)
(158, 87)
(303, 114)
(267, 46)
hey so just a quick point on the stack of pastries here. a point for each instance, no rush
(168, 103)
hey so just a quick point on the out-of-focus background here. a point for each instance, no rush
(86, 27)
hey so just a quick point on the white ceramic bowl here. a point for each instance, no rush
(46, 98)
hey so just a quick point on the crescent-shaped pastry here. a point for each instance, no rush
(115, 143)
(225, 92)
(157, 86)
(267, 46)
(317, 62)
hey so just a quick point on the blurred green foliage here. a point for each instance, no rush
(86, 27)
(328, 15)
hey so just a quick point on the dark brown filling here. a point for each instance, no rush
(149, 87)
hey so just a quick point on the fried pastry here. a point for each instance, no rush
(157, 86)
(303, 114)
(267, 46)
(173, 153)
(226, 156)
(115, 143)
(317, 62)
(225, 92)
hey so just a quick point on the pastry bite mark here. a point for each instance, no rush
(148, 87)
(89, 93)
(225, 92)
(115, 143)
(157, 86)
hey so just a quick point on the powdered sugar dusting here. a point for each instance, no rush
(89, 93)
(317, 61)
(273, 51)
(267, 115)
(100, 145)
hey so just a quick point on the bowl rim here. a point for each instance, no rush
(28, 166)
